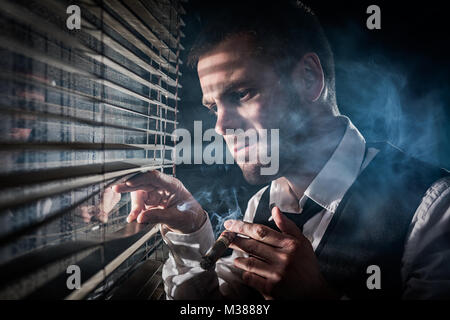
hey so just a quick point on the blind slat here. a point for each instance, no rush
(25, 16)
(9, 199)
(13, 180)
(78, 146)
(101, 275)
(164, 15)
(96, 33)
(81, 110)
(38, 259)
(8, 110)
(145, 15)
(46, 85)
(114, 24)
(19, 48)
(162, 37)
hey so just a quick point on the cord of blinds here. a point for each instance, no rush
(81, 109)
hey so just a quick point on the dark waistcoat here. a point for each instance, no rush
(371, 223)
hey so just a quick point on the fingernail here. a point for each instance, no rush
(272, 212)
(228, 223)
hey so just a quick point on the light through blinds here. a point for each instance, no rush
(80, 110)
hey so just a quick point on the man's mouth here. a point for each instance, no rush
(245, 147)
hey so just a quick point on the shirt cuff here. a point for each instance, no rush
(188, 248)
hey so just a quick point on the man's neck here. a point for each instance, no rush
(321, 146)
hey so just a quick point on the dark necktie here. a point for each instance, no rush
(264, 212)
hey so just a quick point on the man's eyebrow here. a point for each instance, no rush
(228, 88)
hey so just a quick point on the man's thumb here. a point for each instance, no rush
(285, 224)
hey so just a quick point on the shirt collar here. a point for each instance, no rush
(332, 182)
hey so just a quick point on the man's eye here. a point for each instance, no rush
(245, 95)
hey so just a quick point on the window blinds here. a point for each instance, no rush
(80, 110)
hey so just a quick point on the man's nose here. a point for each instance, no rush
(227, 118)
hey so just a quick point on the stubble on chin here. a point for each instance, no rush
(252, 174)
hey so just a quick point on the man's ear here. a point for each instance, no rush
(308, 77)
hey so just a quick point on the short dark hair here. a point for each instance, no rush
(284, 31)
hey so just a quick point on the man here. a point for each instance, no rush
(341, 207)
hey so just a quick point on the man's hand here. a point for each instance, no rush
(159, 198)
(281, 265)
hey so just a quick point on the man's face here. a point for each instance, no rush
(245, 93)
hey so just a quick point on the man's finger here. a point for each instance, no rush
(255, 248)
(155, 179)
(285, 224)
(255, 266)
(165, 216)
(137, 204)
(133, 214)
(255, 231)
(254, 281)
(123, 188)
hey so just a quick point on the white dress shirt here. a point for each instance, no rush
(425, 267)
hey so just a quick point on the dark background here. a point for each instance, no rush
(393, 83)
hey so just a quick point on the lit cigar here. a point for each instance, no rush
(218, 249)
